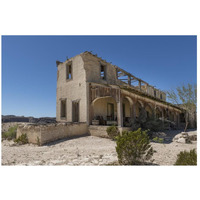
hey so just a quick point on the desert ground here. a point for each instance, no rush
(89, 150)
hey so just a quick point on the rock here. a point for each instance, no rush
(176, 137)
(95, 162)
(184, 135)
(193, 137)
(181, 140)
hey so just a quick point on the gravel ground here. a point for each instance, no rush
(88, 150)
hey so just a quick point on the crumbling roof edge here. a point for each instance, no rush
(119, 68)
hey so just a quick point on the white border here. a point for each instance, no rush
(100, 18)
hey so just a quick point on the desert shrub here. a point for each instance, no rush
(133, 147)
(112, 132)
(38, 141)
(10, 134)
(22, 139)
(136, 125)
(187, 158)
(153, 125)
(158, 140)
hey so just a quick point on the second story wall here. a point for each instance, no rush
(98, 71)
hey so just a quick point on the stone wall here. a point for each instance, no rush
(92, 65)
(70, 90)
(51, 132)
(100, 131)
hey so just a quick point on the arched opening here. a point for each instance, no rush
(127, 105)
(149, 112)
(138, 110)
(158, 113)
(171, 116)
(104, 111)
(182, 118)
(165, 114)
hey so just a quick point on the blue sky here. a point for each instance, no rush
(29, 65)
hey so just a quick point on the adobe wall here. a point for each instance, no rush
(51, 132)
(71, 89)
(100, 131)
(92, 67)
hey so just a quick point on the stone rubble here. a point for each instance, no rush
(185, 137)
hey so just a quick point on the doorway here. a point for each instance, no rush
(75, 111)
(110, 111)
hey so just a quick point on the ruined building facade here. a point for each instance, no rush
(93, 91)
(93, 94)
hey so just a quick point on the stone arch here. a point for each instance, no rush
(165, 113)
(104, 109)
(141, 103)
(158, 112)
(149, 111)
(127, 111)
(138, 108)
(98, 98)
(129, 99)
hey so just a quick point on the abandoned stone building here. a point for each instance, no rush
(93, 91)
(93, 94)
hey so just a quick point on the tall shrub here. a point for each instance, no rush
(187, 158)
(133, 148)
(112, 132)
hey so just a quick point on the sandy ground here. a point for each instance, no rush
(88, 150)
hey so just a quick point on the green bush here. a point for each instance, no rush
(187, 158)
(10, 134)
(133, 147)
(38, 141)
(22, 139)
(153, 125)
(158, 140)
(112, 132)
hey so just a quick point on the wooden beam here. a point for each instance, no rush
(129, 74)
(129, 80)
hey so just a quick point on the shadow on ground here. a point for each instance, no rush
(65, 139)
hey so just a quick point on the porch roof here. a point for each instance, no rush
(140, 93)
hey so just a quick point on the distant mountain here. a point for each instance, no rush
(13, 118)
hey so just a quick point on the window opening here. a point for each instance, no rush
(69, 71)
(75, 111)
(63, 108)
(154, 93)
(103, 72)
